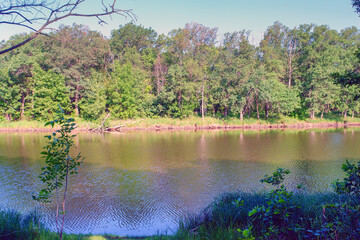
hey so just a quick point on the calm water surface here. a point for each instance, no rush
(143, 183)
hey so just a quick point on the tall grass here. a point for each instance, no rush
(13, 225)
(17, 226)
(315, 217)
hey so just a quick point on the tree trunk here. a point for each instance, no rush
(159, 70)
(322, 114)
(290, 60)
(22, 109)
(179, 99)
(352, 115)
(345, 114)
(8, 116)
(202, 101)
(241, 114)
(257, 111)
(266, 111)
(312, 114)
(76, 103)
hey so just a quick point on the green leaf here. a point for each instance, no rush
(246, 233)
(252, 212)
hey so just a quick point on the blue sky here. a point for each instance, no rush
(227, 15)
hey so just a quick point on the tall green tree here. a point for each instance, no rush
(49, 92)
(93, 103)
(321, 56)
(132, 36)
(279, 52)
(19, 64)
(75, 51)
(126, 91)
(237, 63)
(10, 97)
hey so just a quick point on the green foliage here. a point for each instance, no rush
(307, 71)
(351, 183)
(15, 226)
(277, 177)
(93, 104)
(246, 234)
(341, 221)
(75, 52)
(280, 214)
(275, 219)
(125, 91)
(11, 97)
(49, 91)
(278, 98)
(59, 164)
(131, 35)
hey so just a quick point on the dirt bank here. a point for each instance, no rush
(194, 127)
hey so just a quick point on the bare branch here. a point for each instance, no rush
(26, 13)
(19, 24)
(8, 103)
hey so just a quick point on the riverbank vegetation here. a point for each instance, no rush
(281, 214)
(306, 72)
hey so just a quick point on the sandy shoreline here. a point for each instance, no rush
(195, 127)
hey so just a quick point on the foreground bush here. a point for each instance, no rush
(280, 214)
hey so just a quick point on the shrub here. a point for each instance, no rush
(351, 183)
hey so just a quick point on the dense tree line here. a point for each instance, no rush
(307, 71)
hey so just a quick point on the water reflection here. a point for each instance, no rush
(142, 183)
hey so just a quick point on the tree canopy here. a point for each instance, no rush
(307, 71)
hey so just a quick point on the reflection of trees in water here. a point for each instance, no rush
(202, 149)
(304, 172)
(315, 175)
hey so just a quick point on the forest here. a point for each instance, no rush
(305, 72)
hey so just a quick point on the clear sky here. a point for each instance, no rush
(227, 15)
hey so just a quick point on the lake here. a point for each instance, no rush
(142, 183)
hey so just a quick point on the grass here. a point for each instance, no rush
(16, 226)
(24, 124)
(166, 122)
